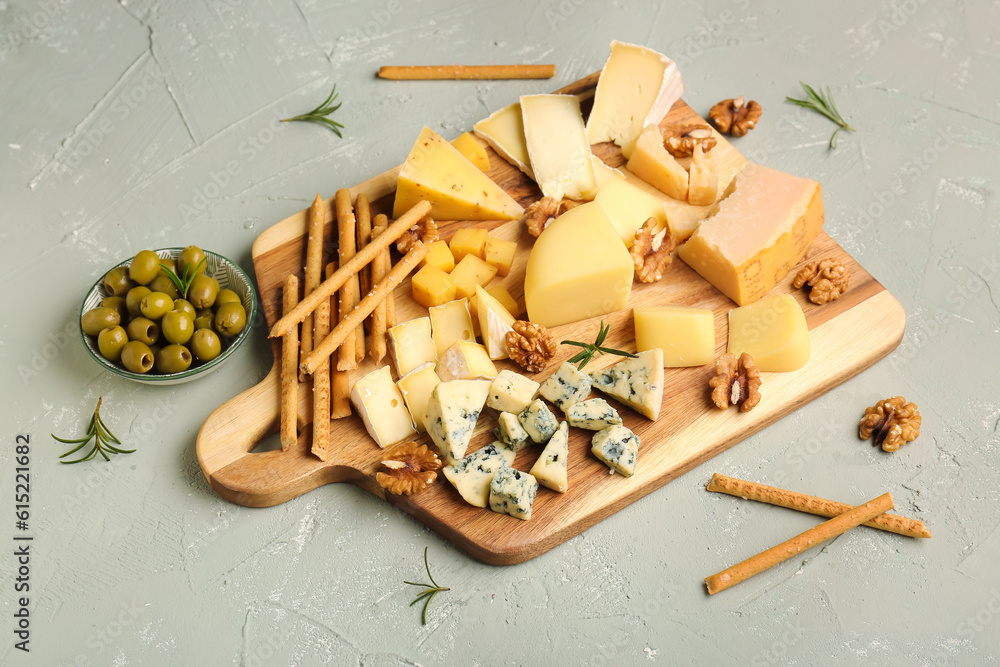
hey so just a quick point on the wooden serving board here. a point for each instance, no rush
(847, 336)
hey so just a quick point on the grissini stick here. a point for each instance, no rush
(437, 72)
(290, 369)
(321, 388)
(314, 266)
(349, 292)
(340, 381)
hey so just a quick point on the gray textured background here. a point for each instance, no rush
(119, 120)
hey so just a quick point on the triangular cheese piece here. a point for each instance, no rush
(457, 190)
(638, 382)
(452, 412)
(472, 475)
(550, 468)
(504, 132)
(494, 323)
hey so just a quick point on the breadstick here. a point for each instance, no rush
(428, 72)
(380, 267)
(807, 540)
(363, 213)
(314, 266)
(321, 388)
(390, 301)
(290, 369)
(347, 324)
(811, 504)
(349, 295)
(341, 276)
(340, 381)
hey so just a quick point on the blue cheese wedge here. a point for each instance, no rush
(618, 448)
(568, 385)
(511, 392)
(550, 469)
(472, 475)
(452, 411)
(594, 414)
(638, 382)
(510, 432)
(513, 492)
(538, 421)
(380, 404)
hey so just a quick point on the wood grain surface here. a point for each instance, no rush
(847, 336)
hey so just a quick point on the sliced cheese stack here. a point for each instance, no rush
(761, 230)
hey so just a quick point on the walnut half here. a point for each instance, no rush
(650, 260)
(425, 230)
(827, 280)
(737, 382)
(539, 214)
(680, 140)
(530, 346)
(735, 116)
(893, 422)
(412, 468)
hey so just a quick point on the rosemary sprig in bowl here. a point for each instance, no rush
(320, 113)
(823, 104)
(584, 356)
(104, 440)
(183, 283)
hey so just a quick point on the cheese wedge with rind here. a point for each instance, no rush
(503, 130)
(494, 323)
(651, 162)
(557, 146)
(416, 388)
(377, 399)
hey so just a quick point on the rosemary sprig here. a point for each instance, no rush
(183, 283)
(100, 434)
(823, 104)
(430, 591)
(585, 355)
(320, 113)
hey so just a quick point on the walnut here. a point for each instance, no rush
(425, 230)
(680, 140)
(530, 346)
(737, 382)
(827, 279)
(539, 214)
(893, 422)
(412, 468)
(735, 116)
(651, 260)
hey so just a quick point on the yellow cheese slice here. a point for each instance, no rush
(759, 233)
(494, 323)
(682, 218)
(652, 163)
(686, 335)
(578, 268)
(628, 207)
(416, 388)
(504, 132)
(435, 170)
(557, 145)
(473, 151)
(450, 322)
(773, 331)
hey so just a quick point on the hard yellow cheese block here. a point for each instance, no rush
(435, 170)
(686, 335)
(469, 273)
(773, 331)
(473, 151)
(578, 268)
(759, 233)
(651, 162)
(628, 207)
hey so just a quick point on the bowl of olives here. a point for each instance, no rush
(168, 316)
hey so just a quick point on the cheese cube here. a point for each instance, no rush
(628, 207)
(465, 360)
(468, 241)
(431, 286)
(568, 385)
(652, 163)
(504, 132)
(494, 323)
(637, 382)
(510, 432)
(513, 492)
(473, 151)
(593, 415)
(470, 272)
(452, 412)
(686, 335)
(558, 147)
(450, 321)
(511, 392)
(618, 448)
(472, 476)
(551, 467)
(578, 268)
(773, 331)
(501, 294)
(411, 345)
(377, 400)
(500, 253)
(703, 179)
(416, 387)
(439, 256)
(538, 421)
(759, 233)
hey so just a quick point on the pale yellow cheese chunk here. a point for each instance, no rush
(450, 322)
(377, 401)
(557, 145)
(603, 173)
(628, 207)
(473, 151)
(504, 132)
(759, 233)
(651, 162)
(465, 360)
(578, 268)
(411, 345)
(416, 387)
(703, 179)
(494, 323)
(773, 331)
(686, 335)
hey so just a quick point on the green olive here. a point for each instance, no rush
(155, 305)
(99, 318)
(111, 341)
(117, 282)
(205, 345)
(190, 256)
(185, 305)
(173, 359)
(155, 349)
(169, 263)
(227, 296)
(144, 267)
(162, 283)
(143, 330)
(137, 357)
(230, 319)
(203, 291)
(177, 327)
(204, 318)
(134, 299)
(117, 304)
